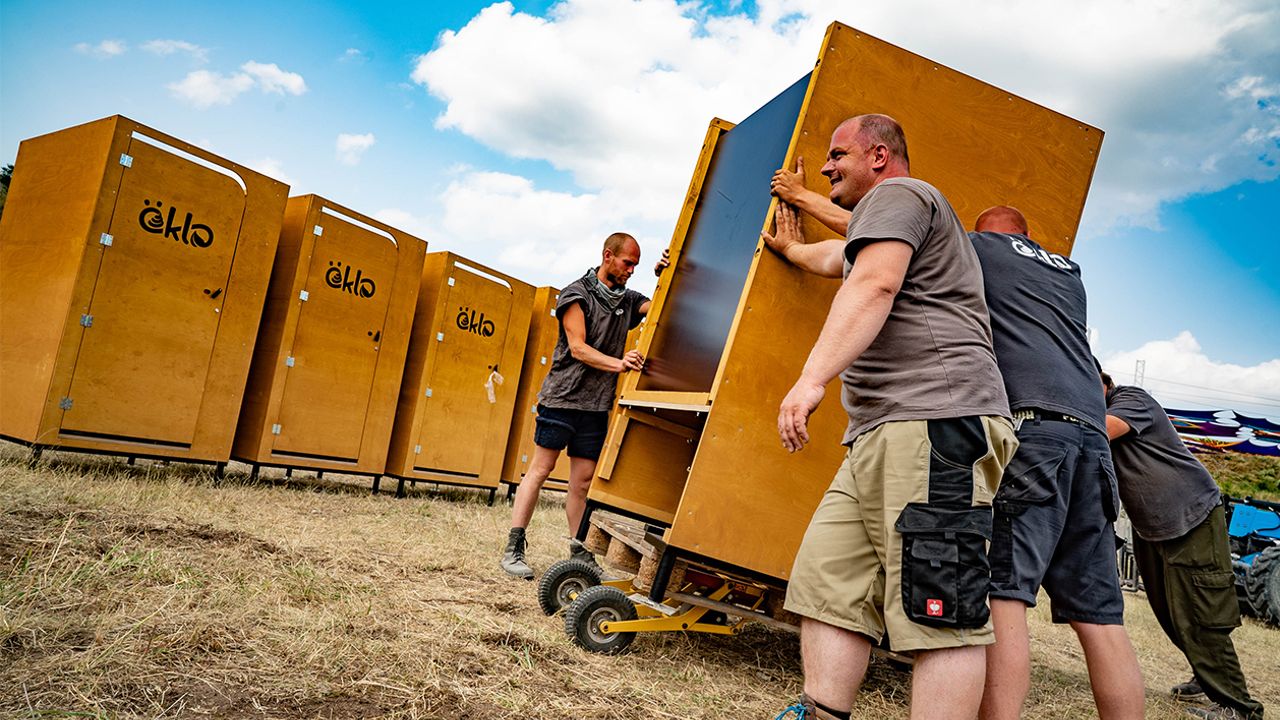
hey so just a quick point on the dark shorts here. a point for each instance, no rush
(1054, 515)
(582, 431)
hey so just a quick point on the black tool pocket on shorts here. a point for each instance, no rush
(1032, 475)
(945, 570)
(955, 444)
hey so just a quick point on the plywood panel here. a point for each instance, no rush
(646, 471)
(157, 301)
(544, 331)
(55, 192)
(707, 280)
(226, 358)
(981, 146)
(446, 428)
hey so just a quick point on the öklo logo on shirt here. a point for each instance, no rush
(1048, 258)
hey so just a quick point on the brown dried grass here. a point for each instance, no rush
(149, 591)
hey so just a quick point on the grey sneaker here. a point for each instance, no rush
(1188, 690)
(1215, 712)
(513, 560)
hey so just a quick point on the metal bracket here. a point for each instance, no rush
(417, 449)
(106, 239)
(428, 392)
(65, 403)
(450, 282)
(304, 295)
(544, 359)
(86, 320)
(288, 362)
(126, 159)
(275, 429)
(317, 231)
(439, 337)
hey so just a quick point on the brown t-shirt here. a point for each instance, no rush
(933, 357)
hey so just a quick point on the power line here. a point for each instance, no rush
(1216, 390)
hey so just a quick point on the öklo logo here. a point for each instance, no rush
(153, 220)
(340, 278)
(468, 321)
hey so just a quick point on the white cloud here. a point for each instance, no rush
(353, 55)
(204, 88)
(274, 80)
(351, 148)
(1183, 90)
(104, 49)
(272, 168)
(170, 47)
(1179, 374)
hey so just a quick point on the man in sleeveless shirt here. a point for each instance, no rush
(595, 312)
(899, 541)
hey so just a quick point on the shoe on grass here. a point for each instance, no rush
(513, 560)
(1189, 690)
(1215, 712)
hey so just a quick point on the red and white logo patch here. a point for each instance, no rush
(933, 607)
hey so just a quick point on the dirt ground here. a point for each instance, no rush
(150, 591)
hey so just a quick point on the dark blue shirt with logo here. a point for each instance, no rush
(1038, 324)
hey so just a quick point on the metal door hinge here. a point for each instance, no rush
(275, 429)
(86, 320)
(428, 392)
(440, 337)
(126, 159)
(534, 408)
(417, 449)
(450, 282)
(65, 403)
(304, 295)
(288, 362)
(524, 457)
(106, 239)
(317, 231)
(544, 359)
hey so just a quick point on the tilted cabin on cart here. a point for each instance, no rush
(461, 375)
(326, 371)
(694, 444)
(133, 268)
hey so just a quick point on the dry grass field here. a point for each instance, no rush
(149, 591)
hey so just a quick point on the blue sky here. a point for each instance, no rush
(520, 133)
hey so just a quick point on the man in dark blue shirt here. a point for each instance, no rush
(1057, 501)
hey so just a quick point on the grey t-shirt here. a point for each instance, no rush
(1165, 490)
(1038, 321)
(574, 385)
(933, 357)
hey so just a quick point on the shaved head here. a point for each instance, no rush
(1002, 219)
(615, 242)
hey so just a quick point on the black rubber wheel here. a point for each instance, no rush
(1262, 583)
(596, 605)
(564, 581)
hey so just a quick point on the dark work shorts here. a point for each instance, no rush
(582, 431)
(1054, 515)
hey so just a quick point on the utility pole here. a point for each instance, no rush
(1139, 372)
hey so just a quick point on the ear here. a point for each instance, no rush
(879, 157)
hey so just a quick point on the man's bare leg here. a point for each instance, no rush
(1008, 662)
(835, 662)
(540, 467)
(1118, 690)
(581, 472)
(947, 684)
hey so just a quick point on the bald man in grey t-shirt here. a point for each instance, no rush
(898, 543)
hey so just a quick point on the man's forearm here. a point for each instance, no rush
(592, 357)
(857, 314)
(824, 211)
(825, 257)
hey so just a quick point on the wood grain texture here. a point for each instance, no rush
(336, 404)
(544, 332)
(133, 358)
(462, 333)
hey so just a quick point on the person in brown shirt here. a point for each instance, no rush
(898, 544)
